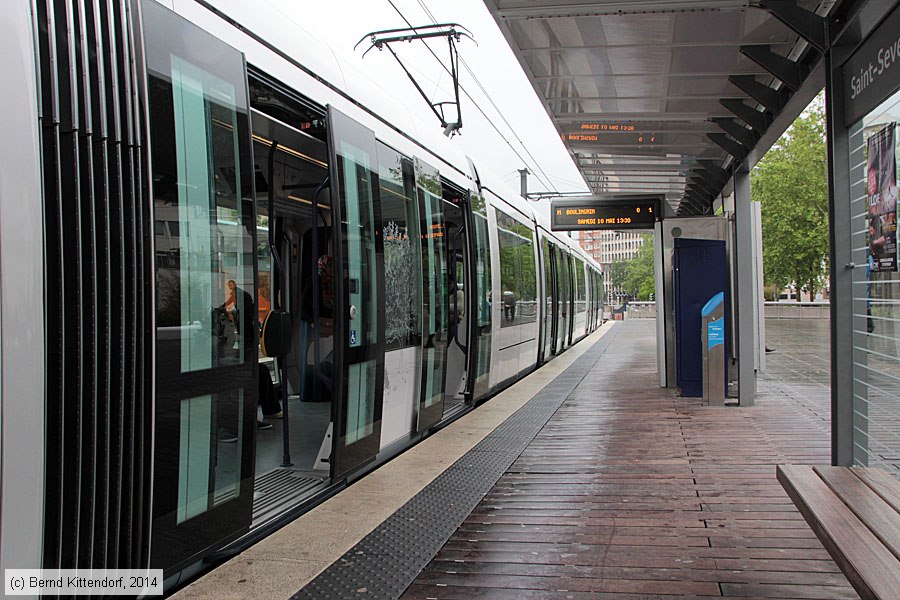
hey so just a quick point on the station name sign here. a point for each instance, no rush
(589, 214)
(872, 73)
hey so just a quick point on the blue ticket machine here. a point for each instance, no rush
(712, 344)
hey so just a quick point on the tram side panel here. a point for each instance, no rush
(514, 292)
(21, 297)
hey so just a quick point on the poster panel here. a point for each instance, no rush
(881, 180)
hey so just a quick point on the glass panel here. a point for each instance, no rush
(509, 274)
(359, 322)
(581, 290)
(548, 298)
(562, 286)
(587, 300)
(483, 295)
(265, 277)
(361, 268)
(517, 271)
(209, 452)
(434, 267)
(528, 308)
(205, 288)
(874, 148)
(361, 411)
(264, 256)
(570, 300)
(402, 252)
(206, 314)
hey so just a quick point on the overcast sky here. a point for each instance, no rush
(341, 23)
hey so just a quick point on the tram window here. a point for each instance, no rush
(562, 282)
(580, 288)
(517, 272)
(402, 252)
(205, 295)
(548, 295)
(483, 294)
(264, 272)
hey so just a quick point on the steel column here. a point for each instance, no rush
(745, 298)
(840, 261)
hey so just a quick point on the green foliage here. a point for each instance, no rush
(640, 272)
(791, 182)
(617, 273)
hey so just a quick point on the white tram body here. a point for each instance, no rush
(174, 171)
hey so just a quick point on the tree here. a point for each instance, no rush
(791, 182)
(639, 281)
(618, 271)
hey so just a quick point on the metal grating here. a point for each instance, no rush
(98, 301)
(384, 563)
(453, 405)
(278, 489)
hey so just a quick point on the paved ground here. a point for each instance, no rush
(631, 492)
(798, 368)
(612, 488)
(322, 538)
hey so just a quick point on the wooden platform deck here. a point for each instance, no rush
(631, 492)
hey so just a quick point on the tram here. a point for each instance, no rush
(175, 174)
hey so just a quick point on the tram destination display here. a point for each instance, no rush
(585, 215)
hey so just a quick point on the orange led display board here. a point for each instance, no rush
(585, 215)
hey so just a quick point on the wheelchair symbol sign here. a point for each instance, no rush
(352, 336)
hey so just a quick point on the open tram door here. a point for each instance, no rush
(445, 384)
(435, 295)
(292, 206)
(459, 380)
(357, 279)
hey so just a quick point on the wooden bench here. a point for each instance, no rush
(855, 512)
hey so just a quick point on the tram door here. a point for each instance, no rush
(205, 278)
(479, 293)
(562, 295)
(458, 385)
(358, 277)
(435, 295)
(551, 319)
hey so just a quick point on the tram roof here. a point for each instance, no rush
(668, 96)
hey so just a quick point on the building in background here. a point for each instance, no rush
(607, 247)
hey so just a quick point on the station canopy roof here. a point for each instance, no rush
(668, 96)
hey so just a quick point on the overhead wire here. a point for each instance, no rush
(546, 182)
(491, 100)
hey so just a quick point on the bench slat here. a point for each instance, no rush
(884, 485)
(874, 575)
(868, 506)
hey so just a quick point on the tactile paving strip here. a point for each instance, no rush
(385, 562)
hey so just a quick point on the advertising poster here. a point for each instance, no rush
(881, 180)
